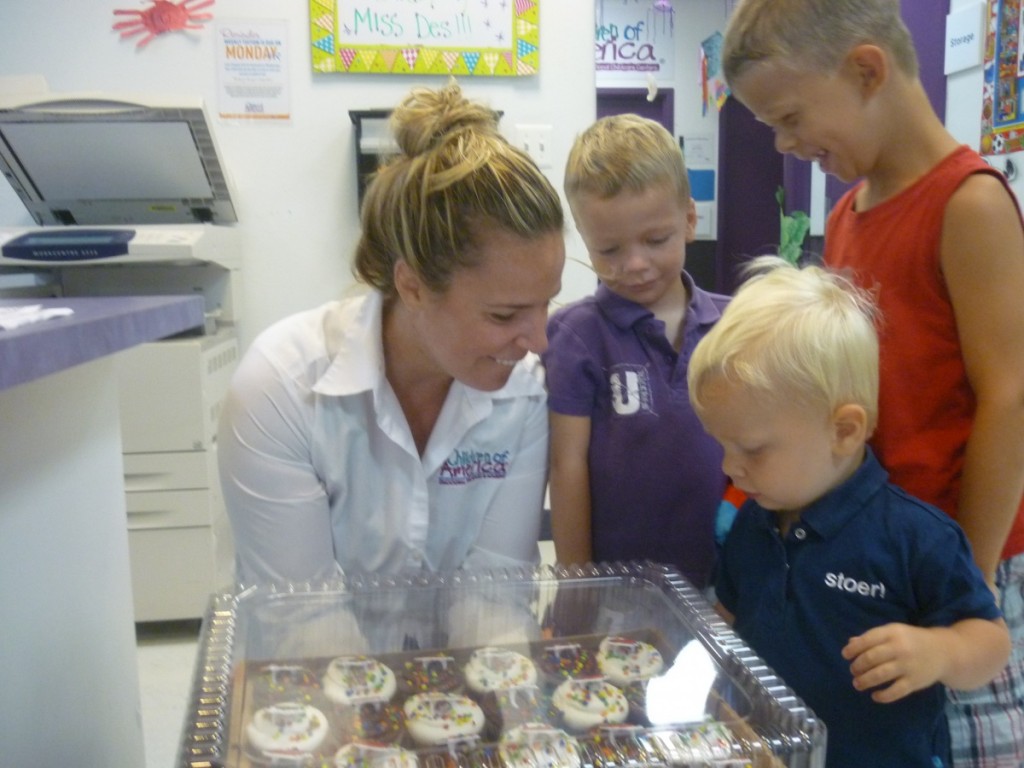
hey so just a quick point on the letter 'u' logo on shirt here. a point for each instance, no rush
(631, 390)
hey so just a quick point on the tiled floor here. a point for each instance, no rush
(167, 653)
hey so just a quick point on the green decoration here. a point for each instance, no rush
(793, 229)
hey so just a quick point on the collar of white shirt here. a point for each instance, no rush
(353, 339)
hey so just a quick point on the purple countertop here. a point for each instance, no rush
(97, 327)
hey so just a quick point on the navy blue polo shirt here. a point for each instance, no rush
(865, 554)
(655, 475)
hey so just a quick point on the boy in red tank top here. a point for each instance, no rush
(937, 234)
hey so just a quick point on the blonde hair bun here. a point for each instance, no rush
(455, 176)
(427, 118)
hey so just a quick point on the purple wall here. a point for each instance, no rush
(615, 101)
(926, 20)
(750, 172)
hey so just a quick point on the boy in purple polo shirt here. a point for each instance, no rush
(633, 474)
(864, 599)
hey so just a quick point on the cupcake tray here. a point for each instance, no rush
(737, 713)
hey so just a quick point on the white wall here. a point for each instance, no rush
(963, 96)
(693, 22)
(295, 184)
(701, 20)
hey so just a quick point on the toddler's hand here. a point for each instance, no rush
(901, 657)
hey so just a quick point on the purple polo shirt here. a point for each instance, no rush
(655, 475)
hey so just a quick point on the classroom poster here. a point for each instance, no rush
(252, 70)
(1002, 116)
(495, 38)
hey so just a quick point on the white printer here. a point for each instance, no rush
(131, 199)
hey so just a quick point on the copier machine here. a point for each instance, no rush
(129, 198)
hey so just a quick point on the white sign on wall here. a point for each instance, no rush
(965, 36)
(634, 41)
(252, 70)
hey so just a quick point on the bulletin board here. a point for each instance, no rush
(492, 38)
(1002, 115)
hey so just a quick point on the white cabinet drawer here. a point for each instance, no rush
(170, 509)
(171, 391)
(173, 572)
(189, 470)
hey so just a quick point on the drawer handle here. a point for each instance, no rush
(141, 512)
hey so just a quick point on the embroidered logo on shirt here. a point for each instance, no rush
(845, 583)
(466, 466)
(631, 389)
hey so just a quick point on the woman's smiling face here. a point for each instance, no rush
(492, 314)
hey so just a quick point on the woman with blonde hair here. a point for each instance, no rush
(406, 428)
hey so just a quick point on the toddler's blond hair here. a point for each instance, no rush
(792, 334)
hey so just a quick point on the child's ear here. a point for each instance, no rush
(691, 220)
(869, 66)
(849, 428)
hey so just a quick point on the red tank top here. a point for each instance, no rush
(926, 405)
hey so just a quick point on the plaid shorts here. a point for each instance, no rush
(986, 725)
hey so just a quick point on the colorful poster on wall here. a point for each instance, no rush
(1002, 112)
(714, 89)
(252, 70)
(633, 41)
(492, 38)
